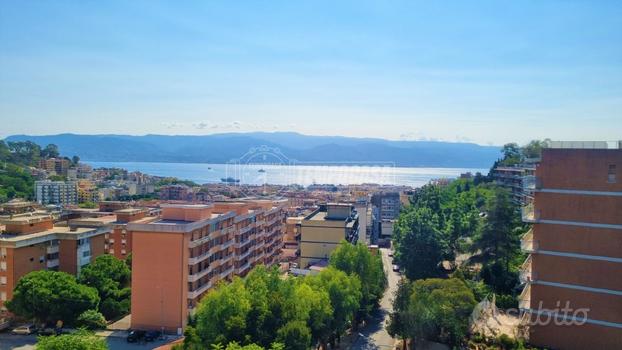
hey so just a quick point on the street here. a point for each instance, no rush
(374, 335)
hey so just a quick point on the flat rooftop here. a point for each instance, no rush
(62, 230)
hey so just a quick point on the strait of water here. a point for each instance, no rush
(259, 174)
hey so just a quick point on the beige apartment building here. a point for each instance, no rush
(575, 248)
(188, 249)
(324, 229)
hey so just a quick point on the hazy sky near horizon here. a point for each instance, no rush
(488, 72)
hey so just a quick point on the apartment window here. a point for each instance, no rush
(41, 258)
(2, 265)
(2, 252)
(2, 280)
(611, 178)
(3, 296)
(86, 253)
(111, 251)
(123, 251)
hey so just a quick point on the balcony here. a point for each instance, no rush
(242, 244)
(530, 214)
(532, 183)
(243, 255)
(242, 268)
(524, 299)
(199, 291)
(245, 229)
(226, 273)
(527, 242)
(197, 276)
(199, 258)
(525, 272)
(52, 263)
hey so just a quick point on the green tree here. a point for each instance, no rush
(110, 277)
(511, 154)
(50, 151)
(345, 296)
(91, 319)
(400, 319)
(499, 240)
(49, 296)
(295, 335)
(440, 310)
(81, 340)
(221, 315)
(358, 260)
(419, 245)
(75, 160)
(24, 152)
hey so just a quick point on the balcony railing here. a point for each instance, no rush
(529, 213)
(52, 263)
(524, 299)
(199, 291)
(527, 242)
(243, 268)
(525, 274)
(243, 255)
(532, 182)
(52, 249)
(226, 273)
(197, 276)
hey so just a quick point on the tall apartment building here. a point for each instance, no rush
(175, 192)
(31, 242)
(180, 255)
(324, 229)
(385, 210)
(516, 180)
(59, 166)
(575, 248)
(62, 193)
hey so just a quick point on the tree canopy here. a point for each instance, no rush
(110, 277)
(266, 309)
(49, 296)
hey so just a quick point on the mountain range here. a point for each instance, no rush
(221, 148)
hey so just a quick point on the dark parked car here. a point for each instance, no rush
(135, 336)
(152, 335)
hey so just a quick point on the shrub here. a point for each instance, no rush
(91, 319)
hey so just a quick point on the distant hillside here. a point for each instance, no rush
(220, 148)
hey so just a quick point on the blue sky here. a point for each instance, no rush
(479, 71)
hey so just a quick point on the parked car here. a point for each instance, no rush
(24, 330)
(396, 268)
(390, 253)
(48, 331)
(135, 336)
(152, 335)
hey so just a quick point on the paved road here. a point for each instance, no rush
(374, 335)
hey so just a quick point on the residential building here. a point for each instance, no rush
(178, 256)
(388, 204)
(31, 242)
(175, 192)
(62, 193)
(291, 238)
(385, 210)
(575, 248)
(516, 180)
(58, 166)
(324, 229)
